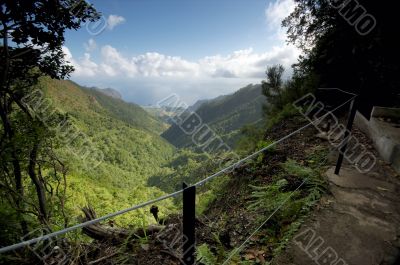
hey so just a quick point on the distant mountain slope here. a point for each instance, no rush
(225, 114)
(122, 132)
(163, 113)
(110, 92)
(128, 112)
(197, 104)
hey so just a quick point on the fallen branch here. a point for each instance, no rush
(115, 235)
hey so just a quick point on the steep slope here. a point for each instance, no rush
(110, 92)
(122, 132)
(224, 114)
(163, 113)
(128, 112)
(197, 104)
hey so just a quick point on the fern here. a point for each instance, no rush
(205, 256)
(312, 179)
(263, 144)
(293, 206)
(269, 197)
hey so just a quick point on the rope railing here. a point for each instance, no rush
(164, 197)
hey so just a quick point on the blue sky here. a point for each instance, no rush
(148, 49)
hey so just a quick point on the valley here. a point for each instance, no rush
(288, 153)
(127, 137)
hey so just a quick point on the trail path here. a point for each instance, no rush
(357, 224)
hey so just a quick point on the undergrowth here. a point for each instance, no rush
(218, 255)
(288, 199)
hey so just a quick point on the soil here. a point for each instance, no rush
(359, 218)
(357, 223)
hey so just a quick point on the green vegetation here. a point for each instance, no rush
(225, 115)
(286, 200)
(114, 181)
(128, 112)
(190, 167)
(290, 196)
(32, 184)
(79, 146)
(164, 113)
(281, 94)
(349, 56)
(207, 257)
(131, 154)
(185, 166)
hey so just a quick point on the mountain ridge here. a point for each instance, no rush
(110, 92)
(225, 114)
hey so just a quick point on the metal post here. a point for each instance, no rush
(342, 149)
(189, 215)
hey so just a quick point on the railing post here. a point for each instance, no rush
(189, 215)
(342, 149)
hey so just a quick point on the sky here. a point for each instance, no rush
(197, 49)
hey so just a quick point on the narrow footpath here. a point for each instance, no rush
(358, 223)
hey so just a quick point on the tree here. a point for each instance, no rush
(32, 34)
(341, 53)
(272, 88)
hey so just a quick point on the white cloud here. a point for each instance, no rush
(240, 64)
(150, 64)
(278, 10)
(114, 20)
(119, 64)
(90, 45)
(275, 13)
(108, 70)
(67, 54)
(84, 66)
(155, 75)
(154, 64)
(87, 66)
(246, 63)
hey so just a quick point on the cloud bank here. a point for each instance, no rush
(239, 64)
(147, 78)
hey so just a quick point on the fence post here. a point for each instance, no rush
(342, 149)
(189, 215)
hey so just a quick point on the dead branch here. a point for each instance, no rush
(115, 235)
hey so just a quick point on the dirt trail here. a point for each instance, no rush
(358, 224)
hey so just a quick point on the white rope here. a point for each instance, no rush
(81, 225)
(341, 90)
(174, 194)
(267, 147)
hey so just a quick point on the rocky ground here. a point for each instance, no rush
(358, 223)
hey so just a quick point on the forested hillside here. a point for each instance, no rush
(109, 92)
(70, 154)
(127, 112)
(225, 115)
(127, 137)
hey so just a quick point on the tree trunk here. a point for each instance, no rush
(40, 189)
(20, 190)
(15, 162)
